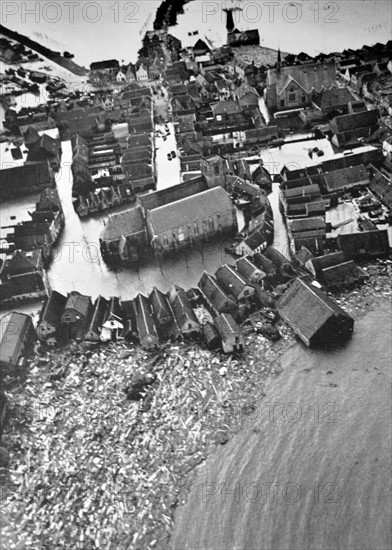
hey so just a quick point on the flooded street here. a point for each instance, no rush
(78, 264)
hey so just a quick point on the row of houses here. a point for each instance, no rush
(23, 274)
(148, 320)
(112, 166)
(312, 315)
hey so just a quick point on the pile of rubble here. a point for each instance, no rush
(103, 440)
(378, 287)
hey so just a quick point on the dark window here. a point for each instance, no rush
(282, 102)
(292, 96)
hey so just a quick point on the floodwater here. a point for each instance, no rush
(311, 469)
(294, 26)
(78, 265)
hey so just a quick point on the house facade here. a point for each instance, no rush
(294, 87)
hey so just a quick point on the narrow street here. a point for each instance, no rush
(168, 171)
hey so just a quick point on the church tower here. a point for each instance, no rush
(213, 169)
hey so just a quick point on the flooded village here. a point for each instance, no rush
(191, 210)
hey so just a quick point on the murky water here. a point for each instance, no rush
(311, 471)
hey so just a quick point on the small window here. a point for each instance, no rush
(303, 99)
(216, 170)
(282, 102)
(292, 96)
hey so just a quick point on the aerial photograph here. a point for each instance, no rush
(196, 275)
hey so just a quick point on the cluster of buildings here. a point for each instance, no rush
(332, 205)
(23, 273)
(211, 313)
(199, 209)
(15, 52)
(116, 162)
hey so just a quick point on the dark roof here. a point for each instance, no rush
(328, 260)
(27, 175)
(231, 280)
(303, 255)
(189, 209)
(343, 274)
(48, 195)
(226, 108)
(23, 261)
(308, 190)
(215, 293)
(144, 319)
(53, 308)
(313, 76)
(45, 144)
(181, 306)
(335, 98)
(364, 244)
(98, 314)
(226, 325)
(246, 267)
(306, 309)
(124, 224)
(347, 177)
(101, 65)
(11, 340)
(79, 303)
(265, 264)
(306, 224)
(160, 304)
(363, 119)
(258, 237)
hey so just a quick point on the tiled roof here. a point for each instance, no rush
(53, 308)
(231, 280)
(214, 292)
(363, 119)
(79, 303)
(124, 224)
(347, 177)
(306, 309)
(184, 211)
(314, 76)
